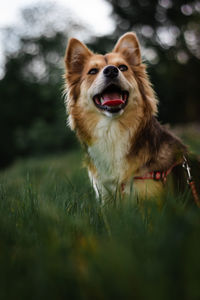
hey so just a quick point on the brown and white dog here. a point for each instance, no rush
(112, 108)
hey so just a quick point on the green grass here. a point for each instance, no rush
(58, 242)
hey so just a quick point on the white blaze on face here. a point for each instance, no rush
(111, 98)
(99, 83)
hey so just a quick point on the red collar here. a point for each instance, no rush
(162, 175)
(157, 175)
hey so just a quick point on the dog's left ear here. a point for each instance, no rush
(76, 56)
(128, 46)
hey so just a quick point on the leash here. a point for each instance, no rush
(190, 181)
(162, 176)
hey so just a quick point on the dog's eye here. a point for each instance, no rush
(123, 68)
(93, 71)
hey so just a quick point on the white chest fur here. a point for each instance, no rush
(108, 152)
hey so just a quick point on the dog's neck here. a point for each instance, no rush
(110, 148)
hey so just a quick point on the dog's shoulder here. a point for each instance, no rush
(162, 146)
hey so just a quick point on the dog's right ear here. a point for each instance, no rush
(129, 47)
(76, 55)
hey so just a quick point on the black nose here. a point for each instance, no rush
(110, 71)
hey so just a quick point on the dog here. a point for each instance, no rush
(112, 108)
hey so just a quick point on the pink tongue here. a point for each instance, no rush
(112, 99)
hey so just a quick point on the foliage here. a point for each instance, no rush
(32, 112)
(58, 242)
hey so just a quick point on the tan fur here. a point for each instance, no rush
(115, 145)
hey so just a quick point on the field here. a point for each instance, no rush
(58, 242)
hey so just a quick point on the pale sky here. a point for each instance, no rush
(95, 13)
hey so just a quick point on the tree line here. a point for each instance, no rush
(32, 113)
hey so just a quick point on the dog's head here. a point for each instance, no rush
(108, 85)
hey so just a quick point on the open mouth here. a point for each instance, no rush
(112, 99)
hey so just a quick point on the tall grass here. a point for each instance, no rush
(58, 242)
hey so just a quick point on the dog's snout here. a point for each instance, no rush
(110, 72)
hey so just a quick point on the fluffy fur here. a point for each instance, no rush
(126, 143)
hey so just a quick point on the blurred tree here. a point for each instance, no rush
(32, 113)
(169, 32)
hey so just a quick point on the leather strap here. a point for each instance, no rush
(157, 175)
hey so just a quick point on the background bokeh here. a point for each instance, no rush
(32, 112)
